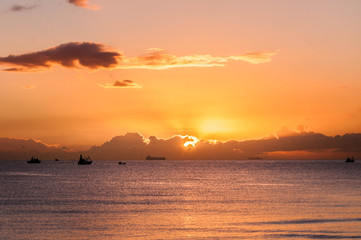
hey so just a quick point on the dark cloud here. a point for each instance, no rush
(122, 84)
(14, 70)
(20, 8)
(23, 149)
(133, 146)
(70, 55)
(83, 4)
(292, 146)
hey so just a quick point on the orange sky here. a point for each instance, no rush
(82, 72)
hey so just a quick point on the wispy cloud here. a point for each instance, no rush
(122, 84)
(160, 59)
(20, 8)
(254, 57)
(84, 4)
(29, 87)
(70, 55)
(97, 55)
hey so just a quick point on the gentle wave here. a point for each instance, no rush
(198, 200)
(25, 174)
(312, 236)
(268, 184)
(306, 221)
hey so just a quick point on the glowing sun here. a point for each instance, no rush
(190, 140)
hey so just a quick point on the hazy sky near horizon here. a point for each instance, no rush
(80, 72)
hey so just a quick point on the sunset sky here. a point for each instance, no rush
(77, 72)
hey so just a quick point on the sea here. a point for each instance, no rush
(209, 199)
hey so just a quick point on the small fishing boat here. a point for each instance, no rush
(350, 159)
(154, 158)
(121, 163)
(84, 161)
(34, 160)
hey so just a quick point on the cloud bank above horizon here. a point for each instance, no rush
(133, 146)
(97, 55)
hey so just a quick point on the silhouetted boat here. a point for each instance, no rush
(84, 161)
(350, 159)
(154, 158)
(121, 163)
(255, 158)
(34, 160)
(56, 160)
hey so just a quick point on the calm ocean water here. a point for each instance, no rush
(181, 200)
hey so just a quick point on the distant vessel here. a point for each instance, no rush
(154, 158)
(56, 160)
(84, 161)
(34, 160)
(255, 158)
(121, 163)
(350, 159)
